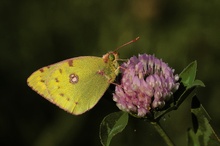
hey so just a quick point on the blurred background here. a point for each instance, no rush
(34, 34)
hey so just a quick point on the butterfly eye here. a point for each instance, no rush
(111, 57)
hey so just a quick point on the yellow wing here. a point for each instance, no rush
(74, 85)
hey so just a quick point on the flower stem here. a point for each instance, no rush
(162, 133)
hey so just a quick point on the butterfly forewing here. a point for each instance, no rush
(75, 84)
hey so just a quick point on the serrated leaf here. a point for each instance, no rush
(201, 126)
(111, 125)
(188, 74)
(192, 138)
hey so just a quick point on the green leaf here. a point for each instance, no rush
(202, 129)
(198, 83)
(188, 74)
(111, 125)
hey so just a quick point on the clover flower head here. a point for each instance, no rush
(147, 83)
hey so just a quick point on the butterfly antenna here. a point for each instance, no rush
(132, 41)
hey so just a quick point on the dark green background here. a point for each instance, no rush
(34, 34)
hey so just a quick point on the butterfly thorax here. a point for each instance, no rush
(111, 58)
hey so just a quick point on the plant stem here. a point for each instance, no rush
(162, 133)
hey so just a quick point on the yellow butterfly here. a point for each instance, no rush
(76, 84)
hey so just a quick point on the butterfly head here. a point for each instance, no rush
(110, 57)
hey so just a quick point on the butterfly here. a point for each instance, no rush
(76, 84)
